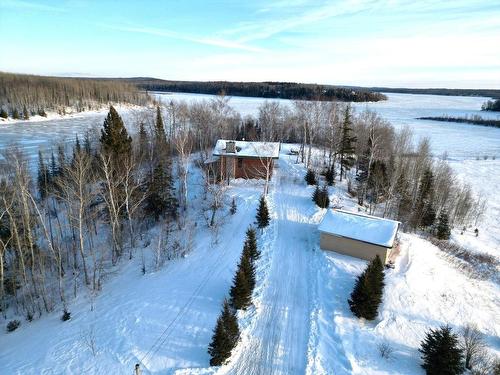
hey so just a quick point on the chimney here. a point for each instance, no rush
(230, 147)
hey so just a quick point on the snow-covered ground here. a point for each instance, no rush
(300, 322)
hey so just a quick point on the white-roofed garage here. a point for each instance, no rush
(357, 235)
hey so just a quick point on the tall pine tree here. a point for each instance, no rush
(160, 199)
(424, 214)
(115, 140)
(225, 337)
(443, 231)
(347, 141)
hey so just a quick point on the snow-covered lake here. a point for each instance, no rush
(460, 141)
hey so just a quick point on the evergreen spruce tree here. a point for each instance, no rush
(241, 292)
(441, 353)
(428, 216)
(310, 177)
(54, 169)
(320, 197)
(368, 290)
(3, 113)
(423, 205)
(225, 337)
(316, 194)
(330, 176)
(115, 140)
(15, 114)
(42, 177)
(405, 202)
(160, 199)
(26, 115)
(262, 213)
(160, 135)
(324, 200)
(347, 141)
(251, 244)
(143, 141)
(77, 150)
(87, 146)
(443, 231)
(233, 208)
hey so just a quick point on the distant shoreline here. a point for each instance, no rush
(475, 120)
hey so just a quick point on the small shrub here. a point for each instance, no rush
(29, 317)
(385, 350)
(310, 177)
(66, 315)
(262, 213)
(330, 176)
(320, 197)
(233, 208)
(13, 325)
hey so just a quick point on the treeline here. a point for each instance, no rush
(282, 90)
(389, 173)
(475, 120)
(492, 93)
(22, 96)
(491, 105)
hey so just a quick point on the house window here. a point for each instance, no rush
(240, 162)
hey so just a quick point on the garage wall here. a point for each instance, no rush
(353, 248)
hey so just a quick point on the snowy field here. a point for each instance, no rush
(300, 322)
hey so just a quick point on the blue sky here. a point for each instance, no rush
(416, 43)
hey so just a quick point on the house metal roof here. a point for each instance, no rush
(249, 149)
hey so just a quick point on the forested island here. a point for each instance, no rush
(23, 96)
(274, 90)
(492, 93)
(474, 120)
(491, 105)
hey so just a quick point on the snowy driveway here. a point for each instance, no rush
(279, 332)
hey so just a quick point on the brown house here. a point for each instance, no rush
(360, 236)
(242, 159)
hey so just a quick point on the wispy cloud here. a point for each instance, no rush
(301, 15)
(27, 5)
(216, 42)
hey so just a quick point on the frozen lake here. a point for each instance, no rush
(461, 141)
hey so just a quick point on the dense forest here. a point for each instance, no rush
(22, 96)
(493, 93)
(474, 120)
(491, 105)
(282, 90)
